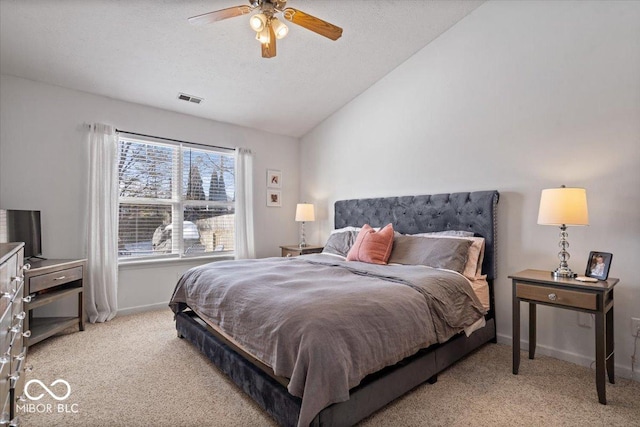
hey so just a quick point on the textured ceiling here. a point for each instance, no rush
(145, 51)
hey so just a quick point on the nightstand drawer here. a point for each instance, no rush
(557, 296)
(45, 281)
(289, 253)
(295, 250)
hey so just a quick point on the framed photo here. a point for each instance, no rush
(598, 265)
(274, 198)
(274, 178)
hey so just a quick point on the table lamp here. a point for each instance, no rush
(562, 207)
(304, 213)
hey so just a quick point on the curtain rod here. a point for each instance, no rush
(174, 140)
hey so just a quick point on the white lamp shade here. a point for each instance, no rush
(563, 205)
(258, 22)
(305, 212)
(279, 28)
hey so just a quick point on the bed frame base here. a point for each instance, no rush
(375, 391)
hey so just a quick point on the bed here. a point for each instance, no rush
(262, 377)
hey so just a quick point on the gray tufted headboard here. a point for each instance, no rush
(474, 211)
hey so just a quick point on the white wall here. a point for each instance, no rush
(518, 96)
(43, 157)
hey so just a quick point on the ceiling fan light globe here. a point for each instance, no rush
(279, 28)
(263, 36)
(258, 22)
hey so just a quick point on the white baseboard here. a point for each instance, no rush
(623, 371)
(143, 308)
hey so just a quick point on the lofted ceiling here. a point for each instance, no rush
(145, 51)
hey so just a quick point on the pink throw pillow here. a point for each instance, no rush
(372, 246)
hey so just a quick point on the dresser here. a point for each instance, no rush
(13, 349)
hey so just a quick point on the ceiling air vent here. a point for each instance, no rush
(190, 98)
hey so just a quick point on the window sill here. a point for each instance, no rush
(126, 264)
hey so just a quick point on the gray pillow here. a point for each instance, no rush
(457, 233)
(339, 243)
(432, 252)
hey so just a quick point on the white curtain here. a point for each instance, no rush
(102, 233)
(245, 246)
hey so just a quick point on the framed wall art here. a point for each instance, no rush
(274, 198)
(274, 178)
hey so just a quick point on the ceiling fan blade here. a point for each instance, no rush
(312, 23)
(219, 15)
(269, 49)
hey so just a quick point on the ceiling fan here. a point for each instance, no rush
(267, 26)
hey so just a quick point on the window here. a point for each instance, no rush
(175, 200)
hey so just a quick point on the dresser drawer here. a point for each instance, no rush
(5, 407)
(6, 319)
(551, 295)
(57, 278)
(18, 378)
(5, 369)
(8, 272)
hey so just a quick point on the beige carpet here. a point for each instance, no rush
(134, 371)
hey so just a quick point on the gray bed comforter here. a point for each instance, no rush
(326, 324)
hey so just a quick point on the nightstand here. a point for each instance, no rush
(540, 287)
(295, 250)
(49, 281)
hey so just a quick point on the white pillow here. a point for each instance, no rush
(340, 230)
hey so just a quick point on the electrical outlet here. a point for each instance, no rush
(585, 320)
(635, 326)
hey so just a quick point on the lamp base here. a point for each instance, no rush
(303, 240)
(563, 273)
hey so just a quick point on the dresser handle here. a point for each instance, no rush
(26, 334)
(27, 299)
(553, 297)
(60, 278)
(26, 267)
(21, 315)
(288, 255)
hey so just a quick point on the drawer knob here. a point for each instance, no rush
(60, 278)
(27, 299)
(26, 334)
(553, 297)
(288, 255)
(26, 267)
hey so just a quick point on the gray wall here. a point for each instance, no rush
(43, 157)
(518, 97)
